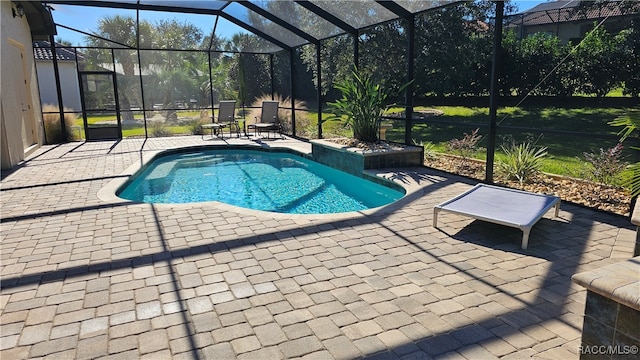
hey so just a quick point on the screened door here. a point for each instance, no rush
(101, 111)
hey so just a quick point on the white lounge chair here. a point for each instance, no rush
(504, 206)
(226, 117)
(268, 120)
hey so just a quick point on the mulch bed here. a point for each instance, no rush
(593, 195)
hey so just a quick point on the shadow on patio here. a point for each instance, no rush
(204, 281)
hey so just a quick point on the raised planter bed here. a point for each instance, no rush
(355, 160)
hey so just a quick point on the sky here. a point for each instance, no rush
(86, 19)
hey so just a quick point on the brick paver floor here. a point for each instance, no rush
(84, 277)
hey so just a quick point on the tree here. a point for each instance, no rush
(180, 72)
(597, 62)
(530, 65)
(174, 75)
(454, 50)
(63, 42)
(120, 32)
(336, 56)
(630, 48)
(247, 66)
(383, 53)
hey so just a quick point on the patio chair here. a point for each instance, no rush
(226, 117)
(268, 120)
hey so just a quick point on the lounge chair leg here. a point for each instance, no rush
(435, 217)
(525, 238)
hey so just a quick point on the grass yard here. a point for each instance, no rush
(566, 133)
(130, 129)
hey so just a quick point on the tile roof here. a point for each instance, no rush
(42, 51)
(569, 10)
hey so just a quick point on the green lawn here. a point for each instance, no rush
(565, 150)
(136, 130)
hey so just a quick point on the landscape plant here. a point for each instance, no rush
(428, 149)
(521, 161)
(630, 123)
(465, 147)
(159, 129)
(362, 105)
(195, 124)
(605, 165)
(52, 126)
(284, 113)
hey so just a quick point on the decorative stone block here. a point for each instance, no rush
(612, 312)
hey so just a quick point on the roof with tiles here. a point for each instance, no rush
(42, 51)
(574, 10)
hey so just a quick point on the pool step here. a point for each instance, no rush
(157, 179)
(201, 161)
(162, 170)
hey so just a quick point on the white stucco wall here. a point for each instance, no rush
(68, 84)
(564, 31)
(14, 33)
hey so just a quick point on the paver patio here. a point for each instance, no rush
(87, 278)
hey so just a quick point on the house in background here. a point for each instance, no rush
(67, 67)
(570, 20)
(21, 22)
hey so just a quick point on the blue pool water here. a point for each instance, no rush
(268, 181)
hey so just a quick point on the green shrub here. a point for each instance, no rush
(159, 129)
(522, 161)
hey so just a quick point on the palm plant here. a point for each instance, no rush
(362, 105)
(122, 31)
(630, 123)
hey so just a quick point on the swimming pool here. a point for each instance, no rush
(261, 180)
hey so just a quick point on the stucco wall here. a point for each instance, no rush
(68, 84)
(14, 34)
(565, 32)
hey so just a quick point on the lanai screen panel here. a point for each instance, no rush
(307, 25)
(416, 6)
(178, 31)
(263, 24)
(183, 6)
(301, 18)
(357, 13)
(97, 16)
(227, 32)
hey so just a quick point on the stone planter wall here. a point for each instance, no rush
(612, 313)
(355, 160)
